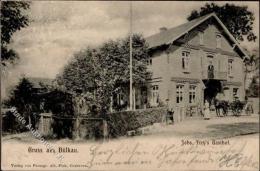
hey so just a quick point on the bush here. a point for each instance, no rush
(121, 122)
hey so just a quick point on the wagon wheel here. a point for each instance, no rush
(234, 109)
(239, 111)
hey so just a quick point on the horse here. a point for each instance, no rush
(221, 104)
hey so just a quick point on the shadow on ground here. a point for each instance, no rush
(229, 130)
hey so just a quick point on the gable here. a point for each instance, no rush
(165, 37)
(170, 36)
(209, 32)
(40, 82)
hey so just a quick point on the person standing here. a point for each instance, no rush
(207, 111)
(210, 70)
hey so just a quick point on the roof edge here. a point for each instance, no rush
(230, 35)
(195, 25)
(213, 14)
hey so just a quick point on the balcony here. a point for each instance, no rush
(217, 75)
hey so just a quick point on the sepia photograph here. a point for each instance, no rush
(129, 85)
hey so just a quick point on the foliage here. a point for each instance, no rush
(104, 70)
(238, 19)
(121, 122)
(58, 103)
(22, 96)
(251, 63)
(24, 101)
(253, 90)
(12, 20)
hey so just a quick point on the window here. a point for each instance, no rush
(144, 95)
(186, 60)
(192, 94)
(230, 68)
(201, 36)
(210, 66)
(218, 38)
(119, 99)
(210, 57)
(149, 61)
(155, 95)
(179, 93)
(235, 93)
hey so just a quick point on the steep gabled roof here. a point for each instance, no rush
(38, 82)
(169, 36)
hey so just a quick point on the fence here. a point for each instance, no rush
(116, 124)
(87, 127)
(72, 127)
(45, 124)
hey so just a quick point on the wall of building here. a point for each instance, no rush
(167, 66)
(161, 75)
(175, 63)
(185, 103)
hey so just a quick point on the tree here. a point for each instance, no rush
(238, 19)
(12, 20)
(253, 90)
(79, 73)
(22, 93)
(22, 98)
(104, 70)
(99, 73)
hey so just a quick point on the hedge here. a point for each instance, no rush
(121, 122)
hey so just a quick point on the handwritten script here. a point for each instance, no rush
(146, 155)
(170, 155)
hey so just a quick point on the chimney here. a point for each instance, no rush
(162, 29)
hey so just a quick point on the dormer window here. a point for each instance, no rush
(218, 39)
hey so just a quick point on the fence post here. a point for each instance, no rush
(105, 130)
(42, 124)
(76, 128)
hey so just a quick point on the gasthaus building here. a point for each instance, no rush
(197, 61)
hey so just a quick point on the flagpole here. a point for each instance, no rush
(131, 62)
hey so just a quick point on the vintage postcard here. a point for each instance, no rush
(130, 85)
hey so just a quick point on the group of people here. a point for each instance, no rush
(237, 107)
(219, 107)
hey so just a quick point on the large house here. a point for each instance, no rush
(196, 61)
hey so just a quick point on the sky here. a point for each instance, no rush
(58, 29)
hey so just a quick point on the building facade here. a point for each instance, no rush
(194, 62)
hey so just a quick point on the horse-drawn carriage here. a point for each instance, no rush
(236, 107)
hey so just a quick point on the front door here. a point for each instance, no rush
(213, 87)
